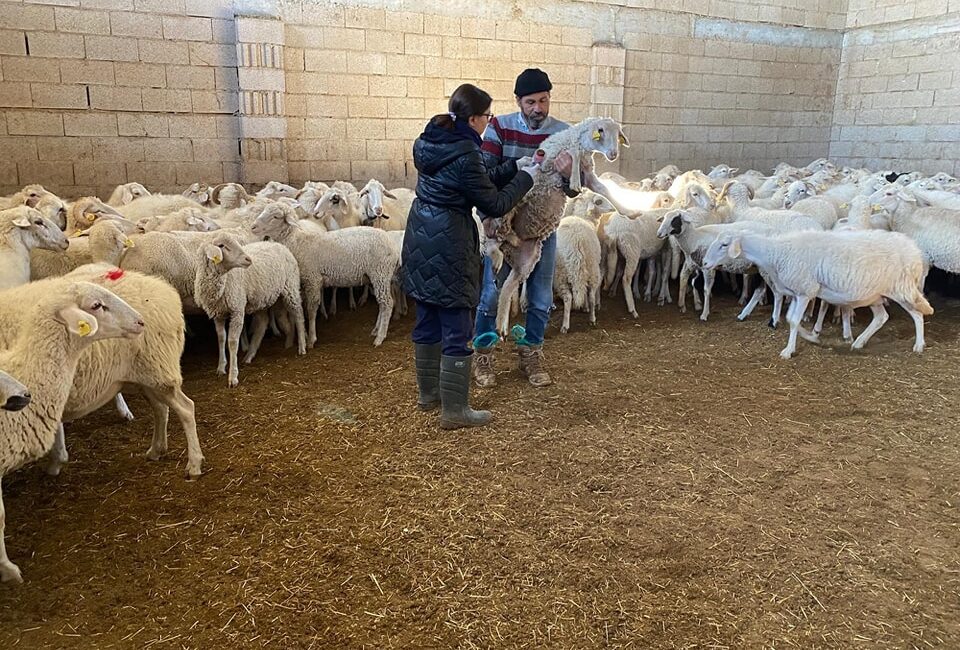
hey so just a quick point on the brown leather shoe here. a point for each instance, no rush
(532, 365)
(483, 372)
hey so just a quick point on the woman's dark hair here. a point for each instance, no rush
(466, 101)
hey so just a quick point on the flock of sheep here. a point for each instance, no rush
(126, 270)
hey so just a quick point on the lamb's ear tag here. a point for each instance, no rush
(621, 139)
(83, 328)
(216, 259)
(596, 136)
(90, 217)
(844, 206)
(128, 243)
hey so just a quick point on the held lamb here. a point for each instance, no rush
(58, 326)
(234, 280)
(520, 233)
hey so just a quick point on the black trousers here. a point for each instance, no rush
(451, 327)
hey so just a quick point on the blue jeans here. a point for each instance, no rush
(452, 327)
(539, 294)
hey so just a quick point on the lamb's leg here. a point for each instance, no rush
(682, 291)
(697, 303)
(161, 416)
(821, 316)
(274, 329)
(523, 298)
(567, 298)
(233, 339)
(281, 316)
(122, 407)
(353, 301)
(9, 572)
(666, 259)
(57, 457)
(777, 308)
(381, 291)
(651, 278)
(333, 302)
(611, 268)
(758, 294)
(794, 315)
(593, 294)
(744, 295)
(260, 321)
(182, 406)
(919, 342)
(525, 259)
(708, 277)
(636, 279)
(846, 316)
(364, 296)
(629, 269)
(880, 317)
(221, 345)
(507, 292)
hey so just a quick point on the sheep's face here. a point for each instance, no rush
(371, 201)
(662, 182)
(724, 248)
(226, 253)
(275, 190)
(132, 191)
(33, 193)
(90, 311)
(605, 137)
(55, 209)
(672, 223)
(721, 172)
(334, 203)
(37, 230)
(889, 198)
(697, 195)
(199, 192)
(275, 220)
(796, 192)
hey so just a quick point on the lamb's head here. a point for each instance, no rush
(14, 396)
(229, 195)
(336, 203)
(127, 192)
(820, 164)
(943, 178)
(276, 189)
(30, 195)
(603, 135)
(696, 194)
(91, 312)
(371, 202)
(798, 191)
(54, 208)
(673, 223)
(905, 179)
(309, 196)
(890, 198)
(33, 228)
(275, 223)
(722, 172)
(662, 182)
(109, 241)
(199, 192)
(724, 248)
(224, 253)
(925, 184)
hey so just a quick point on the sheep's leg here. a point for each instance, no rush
(758, 294)
(57, 457)
(821, 316)
(353, 301)
(260, 321)
(9, 572)
(523, 298)
(611, 268)
(709, 275)
(333, 302)
(174, 398)
(919, 342)
(507, 292)
(274, 329)
(567, 298)
(794, 315)
(281, 317)
(745, 293)
(233, 339)
(651, 278)
(365, 296)
(161, 416)
(381, 292)
(846, 316)
(666, 259)
(629, 270)
(221, 345)
(593, 294)
(777, 308)
(880, 317)
(682, 291)
(697, 303)
(122, 407)
(635, 281)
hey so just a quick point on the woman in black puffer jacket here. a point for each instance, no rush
(441, 248)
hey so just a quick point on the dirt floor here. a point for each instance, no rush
(679, 486)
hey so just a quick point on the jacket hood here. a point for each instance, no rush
(437, 147)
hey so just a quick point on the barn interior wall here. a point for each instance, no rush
(98, 92)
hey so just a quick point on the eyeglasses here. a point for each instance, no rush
(489, 116)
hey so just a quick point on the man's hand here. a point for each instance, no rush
(490, 227)
(563, 163)
(526, 161)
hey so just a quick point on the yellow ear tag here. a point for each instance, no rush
(596, 136)
(77, 233)
(844, 206)
(621, 139)
(217, 259)
(83, 328)
(875, 208)
(821, 188)
(128, 243)
(90, 217)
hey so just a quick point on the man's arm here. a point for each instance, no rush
(501, 171)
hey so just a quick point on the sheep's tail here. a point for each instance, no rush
(910, 285)
(579, 272)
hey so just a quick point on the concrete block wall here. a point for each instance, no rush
(898, 91)
(98, 92)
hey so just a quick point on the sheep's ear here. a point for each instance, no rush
(193, 221)
(78, 322)
(126, 196)
(389, 195)
(22, 222)
(734, 249)
(622, 139)
(291, 217)
(363, 192)
(213, 253)
(204, 197)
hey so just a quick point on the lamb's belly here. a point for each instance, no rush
(530, 223)
(850, 298)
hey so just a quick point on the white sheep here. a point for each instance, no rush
(938, 198)
(182, 220)
(338, 207)
(55, 209)
(722, 172)
(576, 276)
(849, 269)
(636, 240)
(156, 205)
(342, 258)
(14, 396)
(935, 230)
(736, 195)
(124, 194)
(22, 230)
(58, 326)
(801, 198)
(104, 242)
(85, 211)
(385, 209)
(164, 255)
(275, 190)
(229, 196)
(197, 192)
(29, 196)
(520, 232)
(234, 280)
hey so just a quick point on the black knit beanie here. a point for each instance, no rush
(532, 81)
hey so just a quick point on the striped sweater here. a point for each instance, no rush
(508, 137)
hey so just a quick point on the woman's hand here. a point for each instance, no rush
(526, 161)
